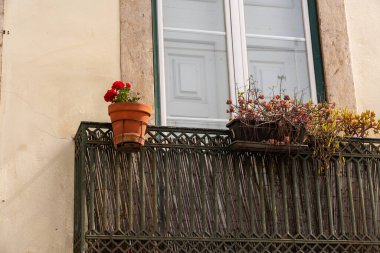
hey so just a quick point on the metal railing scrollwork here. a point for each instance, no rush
(186, 191)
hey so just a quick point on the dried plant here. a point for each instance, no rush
(322, 126)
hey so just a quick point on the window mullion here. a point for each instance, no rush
(239, 54)
(160, 34)
(230, 55)
(243, 42)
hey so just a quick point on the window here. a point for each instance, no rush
(208, 48)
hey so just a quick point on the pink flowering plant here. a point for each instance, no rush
(281, 119)
(121, 93)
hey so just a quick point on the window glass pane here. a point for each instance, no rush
(194, 14)
(196, 75)
(276, 46)
(274, 17)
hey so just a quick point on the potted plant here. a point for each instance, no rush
(129, 117)
(283, 121)
(277, 120)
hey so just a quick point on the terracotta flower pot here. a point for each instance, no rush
(129, 122)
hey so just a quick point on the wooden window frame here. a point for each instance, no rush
(315, 67)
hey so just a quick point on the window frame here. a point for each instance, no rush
(238, 72)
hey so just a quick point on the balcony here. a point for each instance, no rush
(187, 191)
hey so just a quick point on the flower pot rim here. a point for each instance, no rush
(118, 103)
(130, 105)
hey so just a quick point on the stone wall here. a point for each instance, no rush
(336, 53)
(137, 47)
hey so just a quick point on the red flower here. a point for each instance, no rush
(118, 85)
(129, 85)
(110, 95)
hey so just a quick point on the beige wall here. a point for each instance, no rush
(1, 36)
(363, 22)
(58, 61)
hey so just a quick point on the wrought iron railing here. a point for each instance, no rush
(187, 191)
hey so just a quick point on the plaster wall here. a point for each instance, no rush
(363, 22)
(59, 58)
(1, 35)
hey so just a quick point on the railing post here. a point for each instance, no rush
(130, 191)
(191, 170)
(82, 189)
(214, 170)
(167, 195)
(273, 196)
(307, 195)
(117, 186)
(361, 197)
(372, 197)
(142, 189)
(284, 195)
(179, 191)
(154, 187)
(339, 194)
(329, 202)
(105, 167)
(252, 213)
(238, 192)
(318, 196)
(260, 168)
(295, 196)
(351, 199)
(92, 190)
(226, 191)
(203, 190)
